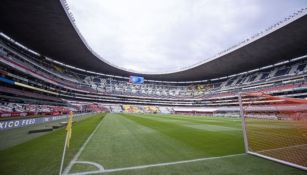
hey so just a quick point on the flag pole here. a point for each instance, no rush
(63, 156)
(67, 140)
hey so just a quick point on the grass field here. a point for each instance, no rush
(157, 144)
(129, 144)
(42, 155)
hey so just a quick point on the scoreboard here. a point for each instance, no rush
(136, 80)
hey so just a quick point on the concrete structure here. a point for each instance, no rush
(47, 28)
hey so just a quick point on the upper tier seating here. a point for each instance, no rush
(43, 79)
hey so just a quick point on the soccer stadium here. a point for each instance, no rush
(67, 110)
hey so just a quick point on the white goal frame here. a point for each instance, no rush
(246, 144)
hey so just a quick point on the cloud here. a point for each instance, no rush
(159, 35)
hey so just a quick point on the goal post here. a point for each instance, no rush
(275, 128)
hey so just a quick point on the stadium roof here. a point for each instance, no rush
(45, 27)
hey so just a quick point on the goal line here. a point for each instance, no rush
(152, 165)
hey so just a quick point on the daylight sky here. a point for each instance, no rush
(167, 35)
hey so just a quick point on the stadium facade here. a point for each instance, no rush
(48, 68)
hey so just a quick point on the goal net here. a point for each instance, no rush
(275, 128)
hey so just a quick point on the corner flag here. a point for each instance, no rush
(68, 128)
(67, 140)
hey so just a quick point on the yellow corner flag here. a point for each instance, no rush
(69, 128)
(68, 136)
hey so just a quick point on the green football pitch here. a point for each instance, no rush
(166, 144)
(129, 144)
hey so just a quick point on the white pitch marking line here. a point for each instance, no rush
(155, 165)
(100, 167)
(72, 162)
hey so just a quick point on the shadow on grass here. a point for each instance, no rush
(42, 155)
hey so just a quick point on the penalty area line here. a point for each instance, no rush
(155, 165)
(75, 158)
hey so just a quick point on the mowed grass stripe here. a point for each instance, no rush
(220, 121)
(124, 141)
(120, 142)
(205, 124)
(211, 143)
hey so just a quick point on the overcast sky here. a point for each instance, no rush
(166, 35)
